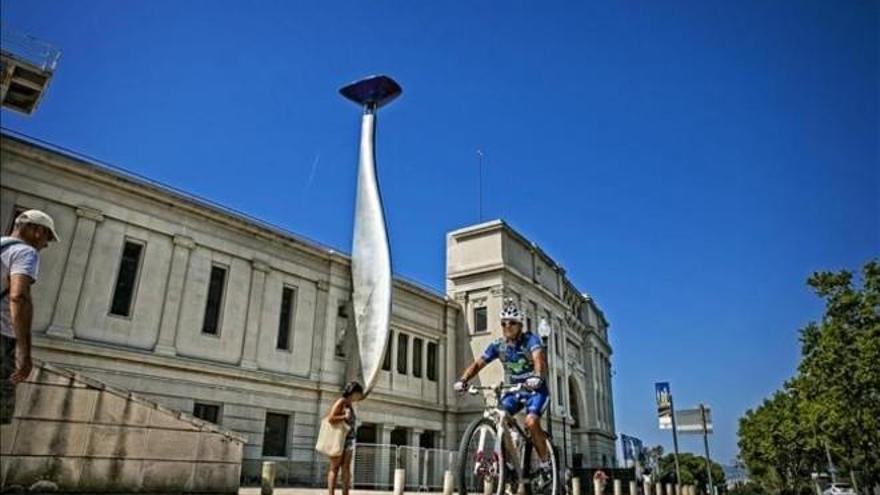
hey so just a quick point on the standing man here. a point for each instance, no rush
(20, 255)
(522, 354)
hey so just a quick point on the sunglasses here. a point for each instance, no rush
(510, 323)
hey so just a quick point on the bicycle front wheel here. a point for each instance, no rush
(480, 464)
(542, 481)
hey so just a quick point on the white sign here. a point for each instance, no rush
(688, 421)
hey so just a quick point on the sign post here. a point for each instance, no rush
(666, 414)
(703, 413)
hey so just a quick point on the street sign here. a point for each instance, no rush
(664, 403)
(688, 421)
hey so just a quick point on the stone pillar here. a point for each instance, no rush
(618, 487)
(323, 332)
(658, 488)
(385, 464)
(646, 488)
(74, 272)
(633, 488)
(259, 269)
(173, 295)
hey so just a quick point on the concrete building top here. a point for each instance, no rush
(82, 165)
(567, 289)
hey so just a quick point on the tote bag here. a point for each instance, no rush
(331, 438)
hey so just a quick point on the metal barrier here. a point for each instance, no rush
(372, 467)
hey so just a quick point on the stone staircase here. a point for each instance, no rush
(83, 436)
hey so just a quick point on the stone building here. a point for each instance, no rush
(240, 323)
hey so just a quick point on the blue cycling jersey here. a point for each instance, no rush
(517, 358)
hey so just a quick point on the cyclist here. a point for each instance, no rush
(522, 355)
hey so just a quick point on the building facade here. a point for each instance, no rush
(490, 262)
(209, 311)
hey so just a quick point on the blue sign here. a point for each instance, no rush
(632, 447)
(664, 399)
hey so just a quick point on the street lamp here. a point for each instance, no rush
(370, 254)
(544, 331)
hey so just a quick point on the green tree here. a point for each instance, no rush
(693, 471)
(834, 400)
(839, 375)
(777, 446)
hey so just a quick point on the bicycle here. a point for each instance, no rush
(504, 467)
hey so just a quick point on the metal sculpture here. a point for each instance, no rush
(370, 254)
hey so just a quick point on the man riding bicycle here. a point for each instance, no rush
(522, 355)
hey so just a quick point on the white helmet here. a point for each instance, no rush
(510, 311)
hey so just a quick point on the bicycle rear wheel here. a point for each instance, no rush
(480, 468)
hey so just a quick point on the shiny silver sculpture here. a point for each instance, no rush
(370, 255)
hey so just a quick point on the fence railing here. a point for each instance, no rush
(372, 467)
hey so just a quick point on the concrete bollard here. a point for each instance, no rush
(658, 488)
(597, 487)
(618, 487)
(669, 489)
(576, 486)
(399, 480)
(633, 488)
(267, 481)
(487, 487)
(448, 483)
(646, 488)
(678, 490)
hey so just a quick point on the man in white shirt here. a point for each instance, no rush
(20, 255)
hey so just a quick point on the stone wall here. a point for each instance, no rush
(86, 437)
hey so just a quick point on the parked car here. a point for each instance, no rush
(838, 489)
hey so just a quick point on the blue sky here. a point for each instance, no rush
(688, 163)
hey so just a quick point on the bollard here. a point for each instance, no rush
(267, 483)
(646, 487)
(597, 486)
(678, 490)
(487, 487)
(658, 488)
(633, 488)
(618, 487)
(399, 480)
(669, 489)
(448, 483)
(576, 486)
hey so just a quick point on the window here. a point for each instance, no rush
(386, 363)
(275, 435)
(426, 440)
(402, 343)
(288, 296)
(208, 412)
(398, 436)
(417, 357)
(341, 329)
(432, 361)
(126, 279)
(366, 433)
(480, 322)
(211, 323)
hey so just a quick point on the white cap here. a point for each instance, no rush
(37, 217)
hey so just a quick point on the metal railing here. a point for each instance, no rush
(372, 467)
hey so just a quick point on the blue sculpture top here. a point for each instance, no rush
(372, 92)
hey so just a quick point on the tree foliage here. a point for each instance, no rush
(834, 399)
(693, 471)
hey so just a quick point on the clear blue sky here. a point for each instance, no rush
(689, 163)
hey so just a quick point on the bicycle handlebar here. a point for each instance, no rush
(510, 387)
